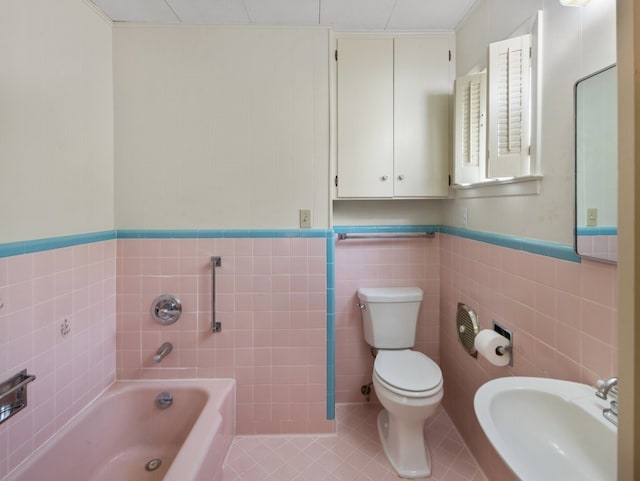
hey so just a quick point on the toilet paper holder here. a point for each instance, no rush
(508, 349)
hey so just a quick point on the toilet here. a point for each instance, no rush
(407, 383)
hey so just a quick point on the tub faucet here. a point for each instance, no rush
(162, 352)
(606, 386)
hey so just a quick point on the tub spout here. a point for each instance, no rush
(162, 352)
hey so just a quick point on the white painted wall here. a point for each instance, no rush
(577, 41)
(387, 212)
(56, 120)
(220, 127)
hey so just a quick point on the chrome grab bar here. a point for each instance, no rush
(216, 261)
(387, 235)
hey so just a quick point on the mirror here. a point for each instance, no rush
(596, 116)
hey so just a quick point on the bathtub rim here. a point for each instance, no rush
(209, 413)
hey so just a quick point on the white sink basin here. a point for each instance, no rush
(548, 429)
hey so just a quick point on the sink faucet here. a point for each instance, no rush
(606, 386)
(162, 352)
(610, 413)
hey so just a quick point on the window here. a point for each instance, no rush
(496, 116)
(470, 129)
(509, 107)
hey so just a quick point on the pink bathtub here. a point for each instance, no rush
(124, 436)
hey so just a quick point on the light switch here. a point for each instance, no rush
(592, 217)
(305, 218)
(464, 217)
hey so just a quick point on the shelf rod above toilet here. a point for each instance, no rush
(387, 235)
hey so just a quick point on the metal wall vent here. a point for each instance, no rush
(467, 327)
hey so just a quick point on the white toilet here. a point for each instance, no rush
(407, 383)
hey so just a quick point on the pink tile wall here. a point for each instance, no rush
(381, 263)
(38, 293)
(271, 300)
(562, 314)
(600, 246)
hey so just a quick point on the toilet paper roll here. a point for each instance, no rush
(487, 343)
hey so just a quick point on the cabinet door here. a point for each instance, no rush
(365, 117)
(422, 90)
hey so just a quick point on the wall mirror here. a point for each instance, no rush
(596, 130)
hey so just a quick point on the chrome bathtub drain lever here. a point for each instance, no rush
(164, 400)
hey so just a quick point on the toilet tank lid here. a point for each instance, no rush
(390, 294)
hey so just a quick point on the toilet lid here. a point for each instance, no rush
(407, 370)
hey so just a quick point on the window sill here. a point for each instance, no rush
(525, 185)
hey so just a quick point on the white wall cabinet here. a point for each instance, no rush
(393, 108)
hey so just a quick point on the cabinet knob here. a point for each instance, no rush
(401, 177)
(384, 178)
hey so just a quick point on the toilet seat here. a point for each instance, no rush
(408, 373)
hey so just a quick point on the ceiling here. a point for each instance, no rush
(340, 14)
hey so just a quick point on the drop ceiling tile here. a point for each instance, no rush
(152, 11)
(215, 12)
(283, 12)
(356, 14)
(428, 14)
(341, 14)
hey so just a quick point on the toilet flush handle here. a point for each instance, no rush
(362, 306)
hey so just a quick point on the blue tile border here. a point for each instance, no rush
(550, 249)
(592, 231)
(544, 248)
(331, 326)
(32, 246)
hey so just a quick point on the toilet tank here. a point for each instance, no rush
(390, 316)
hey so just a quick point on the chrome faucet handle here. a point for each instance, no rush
(606, 386)
(611, 413)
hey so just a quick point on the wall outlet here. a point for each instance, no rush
(592, 217)
(305, 218)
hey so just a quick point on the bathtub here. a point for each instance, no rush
(122, 434)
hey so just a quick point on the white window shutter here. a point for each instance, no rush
(510, 107)
(470, 128)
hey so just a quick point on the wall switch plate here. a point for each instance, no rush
(592, 217)
(305, 218)
(464, 217)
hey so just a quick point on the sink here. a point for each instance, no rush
(548, 429)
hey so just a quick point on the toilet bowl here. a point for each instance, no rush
(409, 386)
(408, 383)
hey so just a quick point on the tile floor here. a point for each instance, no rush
(354, 453)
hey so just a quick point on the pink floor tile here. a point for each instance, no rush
(353, 453)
